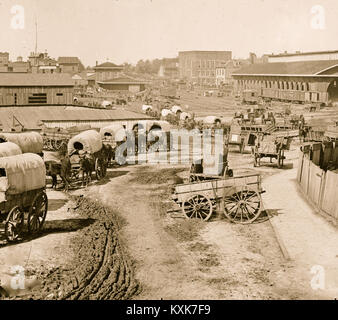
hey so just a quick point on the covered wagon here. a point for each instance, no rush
(22, 192)
(113, 133)
(8, 149)
(176, 109)
(88, 144)
(166, 112)
(29, 142)
(185, 116)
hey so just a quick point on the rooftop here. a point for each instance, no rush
(123, 80)
(288, 68)
(108, 65)
(68, 60)
(32, 118)
(286, 54)
(35, 79)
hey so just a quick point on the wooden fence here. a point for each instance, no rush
(319, 184)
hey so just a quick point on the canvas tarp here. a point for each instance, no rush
(158, 125)
(24, 172)
(29, 142)
(51, 157)
(9, 149)
(115, 132)
(89, 141)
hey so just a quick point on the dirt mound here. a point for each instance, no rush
(100, 270)
(151, 176)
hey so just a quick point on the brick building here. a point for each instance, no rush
(200, 66)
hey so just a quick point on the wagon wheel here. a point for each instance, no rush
(241, 147)
(242, 207)
(197, 206)
(193, 178)
(37, 213)
(49, 144)
(257, 160)
(278, 160)
(14, 224)
(58, 144)
(99, 170)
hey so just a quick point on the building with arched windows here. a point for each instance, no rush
(298, 81)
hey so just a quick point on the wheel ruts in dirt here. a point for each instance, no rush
(14, 224)
(37, 213)
(197, 206)
(243, 206)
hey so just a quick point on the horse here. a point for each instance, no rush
(108, 153)
(87, 166)
(62, 169)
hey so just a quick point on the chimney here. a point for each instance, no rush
(97, 63)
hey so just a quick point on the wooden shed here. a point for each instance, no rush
(35, 89)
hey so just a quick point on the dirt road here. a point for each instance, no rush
(153, 255)
(176, 258)
(311, 241)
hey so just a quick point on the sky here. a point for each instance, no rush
(129, 30)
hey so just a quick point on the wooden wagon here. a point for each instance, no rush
(271, 147)
(242, 136)
(22, 194)
(56, 138)
(238, 198)
(87, 144)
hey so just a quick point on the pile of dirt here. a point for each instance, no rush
(145, 175)
(100, 269)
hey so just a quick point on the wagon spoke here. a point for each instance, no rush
(246, 213)
(197, 206)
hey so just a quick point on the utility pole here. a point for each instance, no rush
(36, 35)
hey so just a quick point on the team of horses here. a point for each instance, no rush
(85, 166)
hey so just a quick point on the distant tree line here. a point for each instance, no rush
(145, 66)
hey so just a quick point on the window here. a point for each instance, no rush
(37, 98)
(59, 94)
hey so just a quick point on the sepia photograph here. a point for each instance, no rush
(168, 150)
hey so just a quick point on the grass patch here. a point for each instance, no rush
(199, 246)
(185, 230)
(210, 260)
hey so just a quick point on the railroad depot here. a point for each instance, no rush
(295, 81)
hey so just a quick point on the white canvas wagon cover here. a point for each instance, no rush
(29, 142)
(24, 172)
(9, 149)
(114, 131)
(89, 141)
